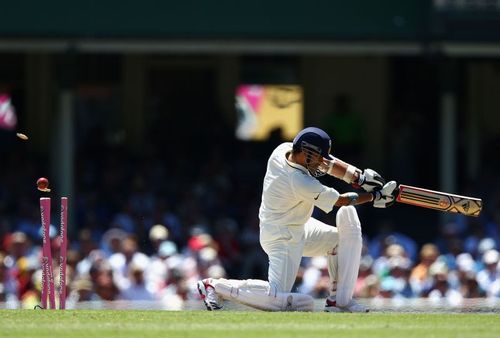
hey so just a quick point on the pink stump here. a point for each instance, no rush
(47, 270)
(62, 258)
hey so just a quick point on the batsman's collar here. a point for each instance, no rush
(296, 165)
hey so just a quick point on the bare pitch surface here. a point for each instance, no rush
(134, 323)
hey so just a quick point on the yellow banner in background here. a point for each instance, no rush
(263, 109)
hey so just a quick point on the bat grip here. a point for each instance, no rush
(395, 192)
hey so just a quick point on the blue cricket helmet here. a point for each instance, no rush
(314, 139)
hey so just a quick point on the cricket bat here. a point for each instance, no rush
(438, 200)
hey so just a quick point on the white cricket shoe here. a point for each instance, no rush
(353, 306)
(208, 295)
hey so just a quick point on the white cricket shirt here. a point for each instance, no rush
(290, 192)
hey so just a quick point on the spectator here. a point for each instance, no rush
(104, 286)
(161, 265)
(176, 291)
(381, 265)
(439, 284)
(396, 283)
(81, 291)
(420, 279)
(489, 277)
(112, 241)
(157, 234)
(121, 261)
(137, 288)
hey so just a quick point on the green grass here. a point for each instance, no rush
(224, 324)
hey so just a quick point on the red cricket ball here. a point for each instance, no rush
(42, 183)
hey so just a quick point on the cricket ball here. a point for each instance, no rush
(42, 183)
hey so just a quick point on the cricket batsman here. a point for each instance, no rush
(288, 232)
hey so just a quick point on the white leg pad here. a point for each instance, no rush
(349, 253)
(260, 295)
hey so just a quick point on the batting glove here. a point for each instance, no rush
(369, 180)
(385, 197)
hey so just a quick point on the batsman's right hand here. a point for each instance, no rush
(370, 180)
(385, 197)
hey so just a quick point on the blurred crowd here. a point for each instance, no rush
(148, 228)
(115, 268)
(394, 267)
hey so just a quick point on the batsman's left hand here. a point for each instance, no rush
(386, 196)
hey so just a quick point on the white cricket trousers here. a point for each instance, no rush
(286, 245)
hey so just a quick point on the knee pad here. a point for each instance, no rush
(348, 221)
